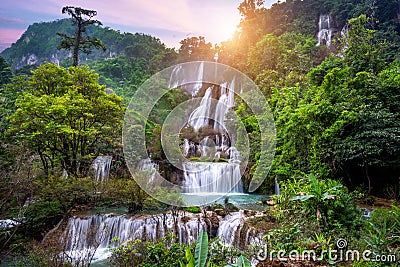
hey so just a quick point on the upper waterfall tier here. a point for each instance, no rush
(213, 108)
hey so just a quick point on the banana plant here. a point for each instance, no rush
(200, 253)
(318, 193)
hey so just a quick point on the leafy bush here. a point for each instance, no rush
(382, 231)
(326, 203)
(166, 252)
(40, 217)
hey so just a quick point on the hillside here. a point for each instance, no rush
(39, 44)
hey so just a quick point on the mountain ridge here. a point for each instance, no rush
(38, 44)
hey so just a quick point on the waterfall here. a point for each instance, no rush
(64, 174)
(200, 116)
(148, 166)
(8, 223)
(324, 30)
(220, 112)
(186, 147)
(211, 177)
(234, 155)
(97, 233)
(217, 176)
(277, 188)
(101, 166)
(233, 231)
(180, 77)
(344, 34)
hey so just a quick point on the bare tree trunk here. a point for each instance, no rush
(76, 44)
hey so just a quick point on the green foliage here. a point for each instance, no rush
(195, 49)
(189, 259)
(67, 191)
(363, 52)
(5, 72)
(124, 192)
(339, 121)
(243, 262)
(220, 254)
(165, 252)
(289, 55)
(142, 56)
(39, 255)
(201, 251)
(66, 117)
(325, 203)
(193, 209)
(382, 231)
(40, 217)
(41, 40)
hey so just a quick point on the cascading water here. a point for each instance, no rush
(100, 230)
(148, 166)
(218, 170)
(206, 177)
(200, 116)
(233, 231)
(325, 30)
(101, 166)
(97, 233)
(180, 76)
(277, 187)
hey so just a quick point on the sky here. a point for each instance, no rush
(169, 20)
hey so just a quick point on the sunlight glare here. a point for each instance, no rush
(226, 27)
(226, 30)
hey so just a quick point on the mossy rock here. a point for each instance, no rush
(231, 207)
(220, 212)
(192, 209)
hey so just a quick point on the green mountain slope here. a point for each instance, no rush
(39, 44)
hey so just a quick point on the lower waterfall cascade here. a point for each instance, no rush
(97, 233)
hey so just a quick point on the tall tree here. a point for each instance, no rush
(195, 48)
(66, 117)
(80, 42)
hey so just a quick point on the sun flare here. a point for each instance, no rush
(225, 27)
(226, 30)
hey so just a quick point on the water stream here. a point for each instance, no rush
(324, 30)
(96, 234)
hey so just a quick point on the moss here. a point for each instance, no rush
(192, 209)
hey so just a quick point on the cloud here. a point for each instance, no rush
(179, 18)
(170, 21)
(9, 36)
(171, 15)
(11, 20)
